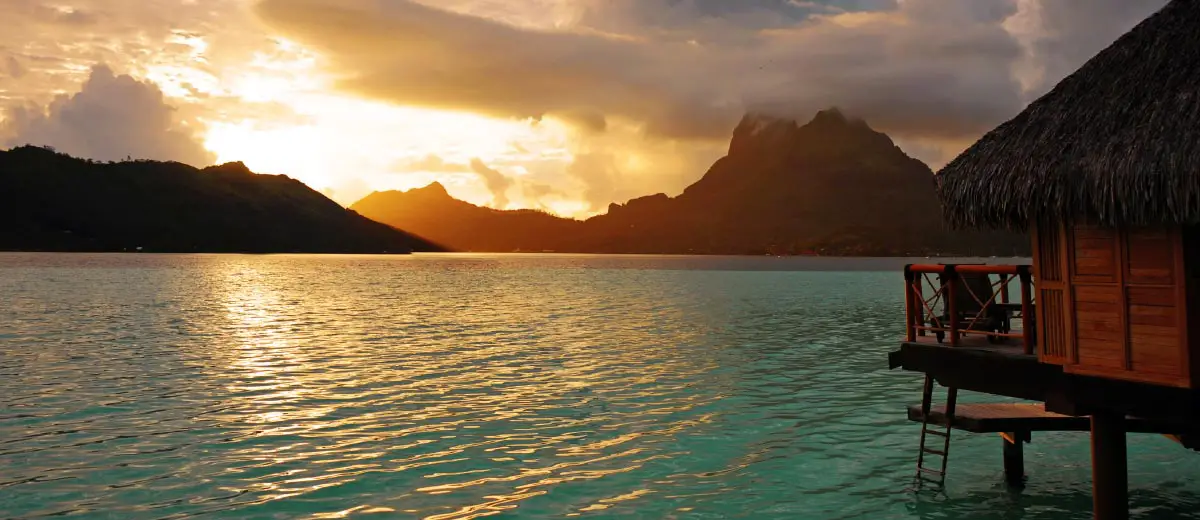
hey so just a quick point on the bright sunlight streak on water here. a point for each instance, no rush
(466, 386)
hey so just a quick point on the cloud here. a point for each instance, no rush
(535, 191)
(599, 173)
(921, 69)
(634, 96)
(675, 79)
(13, 68)
(348, 191)
(110, 118)
(50, 14)
(1060, 35)
(538, 195)
(497, 183)
(431, 163)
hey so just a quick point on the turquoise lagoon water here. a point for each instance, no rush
(503, 386)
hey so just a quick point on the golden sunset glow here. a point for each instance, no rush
(575, 104)
(292, 120)
(337, 135)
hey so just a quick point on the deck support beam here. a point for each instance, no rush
(1014, 458)
(1110, 473)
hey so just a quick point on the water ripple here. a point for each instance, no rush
(459, 387)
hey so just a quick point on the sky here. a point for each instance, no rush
(560, 105)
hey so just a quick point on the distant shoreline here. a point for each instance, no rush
(937, 259)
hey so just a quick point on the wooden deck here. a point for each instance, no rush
(1026, 417)
(976, 365)
(1011, 347)
(1002, 417)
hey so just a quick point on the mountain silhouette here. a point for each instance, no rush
(464, 226)
(830, 186)
(53, 202)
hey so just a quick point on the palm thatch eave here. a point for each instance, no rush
(1117, 142)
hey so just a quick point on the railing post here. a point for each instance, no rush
(909, 306)
(919, 300)
(1028, 325)
(1004, 278)
(951, 302)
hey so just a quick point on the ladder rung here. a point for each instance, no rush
(933, 451)
(937, 432)
(928, 470)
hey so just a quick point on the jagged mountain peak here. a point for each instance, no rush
(759, 131)
(830, 183)
(830, 131)
(231, 167)
(768, 132)
(434, 188)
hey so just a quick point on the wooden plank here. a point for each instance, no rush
(1181, 302)
(1006, 417)
(1120, 374)
(1116, 362)
(1152, 310)
(1151, 275)
(1098, 325)
(1151, 256)
(1090, 253)
(1153, 315)
(1153, 330)
(1094, 259)
(1097, 293)
(1068, 301)
(1161, 296)
(1093, 250)
(1052, 331)
(1096, 307)
(1152, 370)
(1001, 417)
(1148, 233)
(1047, 255)
(1156, 338)
(1101, 347)
(1122, 251)
(1108, 313)
(1151, 354)
(1157, 351)
(1095, 267)
(1158, 251)
(1170, 342)
(1092, 335)
(1094, 253)
(1086, 232)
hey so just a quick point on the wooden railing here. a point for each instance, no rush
(964, 300)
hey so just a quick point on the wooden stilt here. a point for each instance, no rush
(1014, 459)
(1110, 475)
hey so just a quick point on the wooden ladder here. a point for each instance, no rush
(924, 473)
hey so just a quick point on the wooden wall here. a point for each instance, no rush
(1113, 303)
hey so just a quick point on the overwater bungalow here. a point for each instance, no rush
(1103, 329)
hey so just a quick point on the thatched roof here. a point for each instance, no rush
(1117, 142)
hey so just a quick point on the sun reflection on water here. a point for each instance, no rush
(471, 386)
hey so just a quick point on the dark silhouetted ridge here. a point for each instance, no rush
(832, 185)
(431, 212)
(53, 202)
